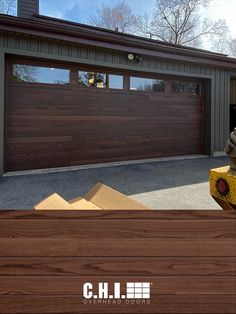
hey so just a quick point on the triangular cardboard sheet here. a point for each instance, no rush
(107, 198)
(53, 202)
(99, 197)
(81, 203)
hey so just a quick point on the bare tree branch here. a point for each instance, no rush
(179, 22)
(232, 47)
(224, 44)
(211, 28)
(118, 17)
(7, 6)
(24, 72)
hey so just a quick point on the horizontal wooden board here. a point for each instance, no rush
(117, 229)
(120, 214)
(205, 304)
(126, 247)
(114, 266)
(188, 257)
(67, 285)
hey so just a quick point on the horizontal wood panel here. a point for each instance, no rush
(90, 108)
(117, 229)
(115, 247)
(92, 125)
(67, 285)
(117, 266)
(77, 160)
(189, 272)
(217, 304)
(120, 214)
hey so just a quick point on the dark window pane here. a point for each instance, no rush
(186, 87)
(148, 85)
(99, 80)
(28, 73)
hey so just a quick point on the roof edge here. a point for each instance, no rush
(54, 28)
(128, 35)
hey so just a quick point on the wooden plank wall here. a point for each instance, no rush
(188, 256)
(84, 126)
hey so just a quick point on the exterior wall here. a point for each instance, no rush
(217, 116)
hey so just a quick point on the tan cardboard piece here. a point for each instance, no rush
(99, 197)
(53, 202)
(81, 203)
(108, 198)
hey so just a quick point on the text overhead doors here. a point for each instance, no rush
(66, 115)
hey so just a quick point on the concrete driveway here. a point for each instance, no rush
(175, 184)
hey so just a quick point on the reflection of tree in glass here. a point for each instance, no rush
(151, 86)
(83, 79)
(7, 6)
(184, 87)
(60, 82)
(147, 87)
(158, 86)
(24, 73)
(91, 79)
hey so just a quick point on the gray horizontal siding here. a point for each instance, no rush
(72, 52)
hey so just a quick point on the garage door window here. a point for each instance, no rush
(186, 87)
(100, 80)
(147, 85)
(35, 74)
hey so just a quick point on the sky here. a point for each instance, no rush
(81, 10)
(223, 9)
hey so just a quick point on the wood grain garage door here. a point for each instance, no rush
(49, 125)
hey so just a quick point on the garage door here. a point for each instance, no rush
(65, 115)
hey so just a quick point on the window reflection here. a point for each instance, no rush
(116, 81)
(35, 74)
(100, 80)
(185, 87)
(148, 85)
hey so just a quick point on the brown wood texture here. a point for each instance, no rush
(116, 229)
(176, 304)
(110, 266)
(120, 214)
(66, 247)
(52, 126)
(188, 257)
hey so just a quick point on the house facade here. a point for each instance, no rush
(72, 94)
